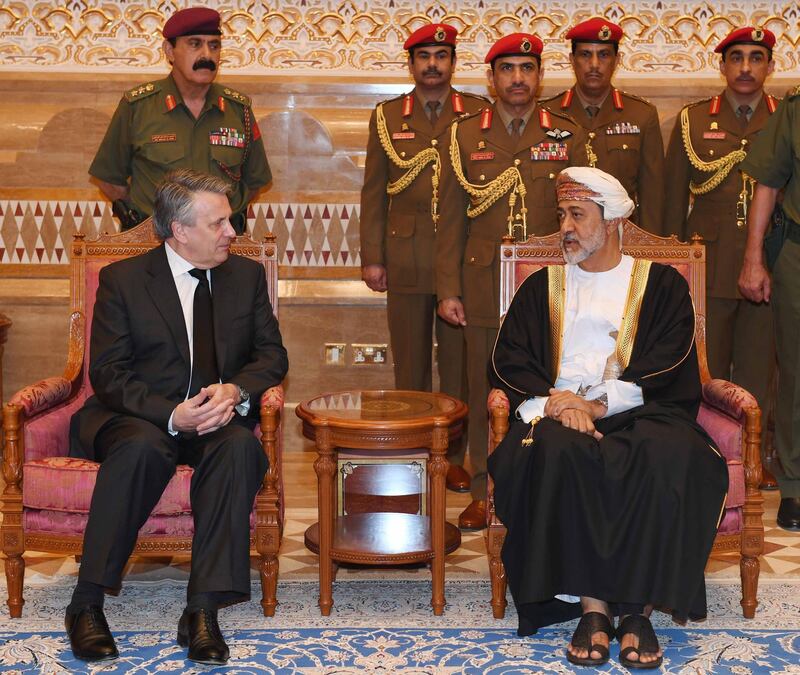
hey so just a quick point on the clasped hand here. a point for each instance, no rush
(574, 412)
(211, 408)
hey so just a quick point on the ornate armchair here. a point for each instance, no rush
(728, 413)
(45, 502)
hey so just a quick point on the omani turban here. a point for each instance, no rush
(583, 183)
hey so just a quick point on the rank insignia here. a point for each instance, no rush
(558, 134)
(714, 126)
(227, 136)
(170, 102)
(458, 103)
(408, 105)
(403, 135)
(486, 119)
(404, 127)
(622, 128)
(549, 152)
(481, 156)
(481, 145)
(221, 103)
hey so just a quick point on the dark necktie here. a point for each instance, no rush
(592, 110)
(433, 108)
(204, 359)
(516, 127)
(743, 112)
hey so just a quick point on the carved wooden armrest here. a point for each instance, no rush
(729, 398)
(44, 394)
(273, 397)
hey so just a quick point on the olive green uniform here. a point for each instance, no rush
(468, 249)
(774, 161)
(740, 341)
(152, 133)
(624, 139)
(398, 232)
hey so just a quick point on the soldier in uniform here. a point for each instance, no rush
(182, 121)
(501, 181)
(710, 139)
(774, 161)
(408, 142)
(624, 136)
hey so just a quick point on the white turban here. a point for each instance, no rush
(583, 183)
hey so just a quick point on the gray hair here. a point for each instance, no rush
(175, 198)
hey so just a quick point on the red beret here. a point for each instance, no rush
(432, 34)
(192, 21)
(516, 44)
(747, 35)
(595, 30)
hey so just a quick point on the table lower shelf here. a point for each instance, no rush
(382, 539)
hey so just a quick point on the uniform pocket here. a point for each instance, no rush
(228, 156)
(479, 285)
(163, 154)
(401, 268)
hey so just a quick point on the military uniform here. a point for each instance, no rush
(739, 332)
(774, 161)
(624, 139)
(152, 132)
(468, 261)
(398, 231)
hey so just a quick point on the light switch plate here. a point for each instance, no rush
(334, 353)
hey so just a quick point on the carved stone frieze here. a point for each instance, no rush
(345, 37)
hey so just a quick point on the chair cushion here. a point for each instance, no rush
(731, 522)
(726, 432)
(66, 484)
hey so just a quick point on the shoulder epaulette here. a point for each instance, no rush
(794, 91)
(634, 97)
(552, 99)
(468, 116)
(394, 98)
(142, 91)
(477, 97)
(696, 103)
(561, 114)
(234, 95)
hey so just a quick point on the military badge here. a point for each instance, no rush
(604, 33)
(481, 145)
(757, 35)
(619, 128)
(525, 46)
(558, 134)
(542, 152)
(714, 126)
(227, 136)
(439, 35)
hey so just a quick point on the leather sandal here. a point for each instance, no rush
(641, 627)
(591, 623)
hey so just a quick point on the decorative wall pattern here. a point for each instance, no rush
(347, 37)
(309, 235)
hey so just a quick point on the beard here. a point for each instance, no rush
(586, 248)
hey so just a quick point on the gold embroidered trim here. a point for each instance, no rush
(633, 307)
(483, 196)
(688, 351)
(412, 167)
(721, 166)
(556, 290)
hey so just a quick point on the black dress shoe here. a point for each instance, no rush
(200, 631)
(789, 513)
(89, 636)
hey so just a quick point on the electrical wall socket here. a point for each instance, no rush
(334, 353)
(372, 354)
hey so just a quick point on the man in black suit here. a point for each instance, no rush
(183, 344)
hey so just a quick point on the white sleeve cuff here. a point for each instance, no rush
(531, 408)
(243, 408)
(622, 396)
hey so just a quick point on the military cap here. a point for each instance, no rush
(516, 44)
(432, 34)
(595, 30)
(192, 21)
(749, 35)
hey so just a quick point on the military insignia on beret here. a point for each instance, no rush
(439, 35)
(604, 33)
(757, 35)
(525, 46)
(558, 134)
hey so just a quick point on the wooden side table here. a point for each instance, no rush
(381, 421)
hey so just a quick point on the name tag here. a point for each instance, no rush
(403, 135)
(163, 138)
(714, 135)
(542, 152)
(481, 156)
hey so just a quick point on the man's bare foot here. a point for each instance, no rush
(590, 642)
(638, 644)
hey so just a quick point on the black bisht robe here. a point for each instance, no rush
(630, 518)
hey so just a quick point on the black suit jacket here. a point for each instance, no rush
(140, 364)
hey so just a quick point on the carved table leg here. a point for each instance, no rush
(438, 470)
(325, 468)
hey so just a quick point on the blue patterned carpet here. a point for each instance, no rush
(387, 627)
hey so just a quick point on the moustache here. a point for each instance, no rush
(205, 63)
(432, 71)
(568, 238)
(745, 78)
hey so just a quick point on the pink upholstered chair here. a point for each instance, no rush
(728, 413)
(47, 494)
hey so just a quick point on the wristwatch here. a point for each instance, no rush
(244, 395)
